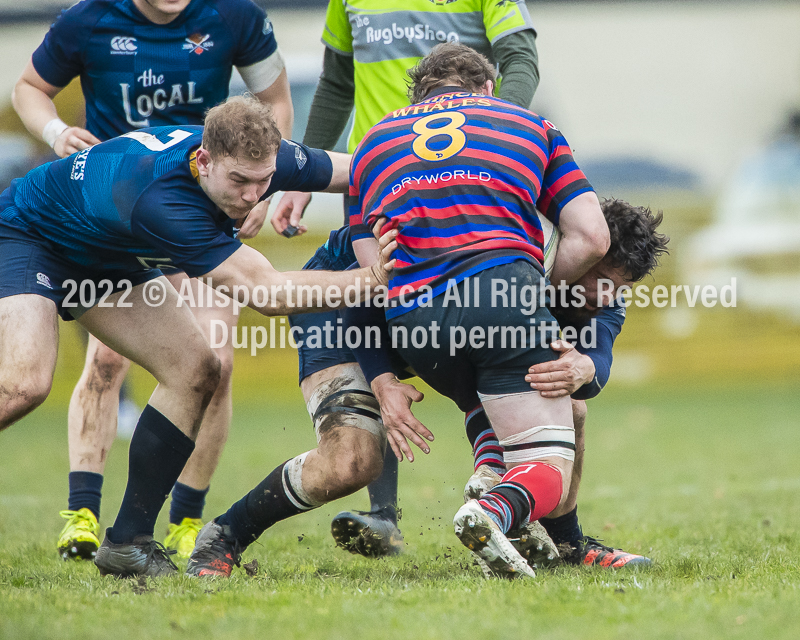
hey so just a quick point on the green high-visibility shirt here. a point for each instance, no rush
(386, 38)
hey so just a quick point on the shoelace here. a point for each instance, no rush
(589, 540)
(80, 518)
(159, 551)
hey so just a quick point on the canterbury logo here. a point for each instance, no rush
(122, 44)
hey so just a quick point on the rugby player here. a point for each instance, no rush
(348, 458)
(364, 67)
(147, 63)
(460, 175)
(83, 237)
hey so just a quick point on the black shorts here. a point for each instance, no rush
(31, 267)
(335, 255)
(460, 349)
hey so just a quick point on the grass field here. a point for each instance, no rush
(704, 480)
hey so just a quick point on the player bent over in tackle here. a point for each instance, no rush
(113, 212)
(500, 161)
(460, 176)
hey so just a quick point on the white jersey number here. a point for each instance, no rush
(153, 143)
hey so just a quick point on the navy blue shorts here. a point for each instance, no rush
(28, 266)
(508, 339)
(315, 355)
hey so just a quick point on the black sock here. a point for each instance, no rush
(85, 491)
(265, 505)
(186, 503)
(383, 491)
(563, 529)
(157, 455)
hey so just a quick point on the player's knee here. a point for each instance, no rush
(206, 375)
(106, 370)
(360, 466)
(355, 458)
(23, 395)
(226, 367)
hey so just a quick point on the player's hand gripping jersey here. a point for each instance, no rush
(134, 202)
(135, 73)
(460, 176)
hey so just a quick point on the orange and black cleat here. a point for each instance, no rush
(215, 553)
(591, 553)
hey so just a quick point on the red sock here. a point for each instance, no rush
(543, 482)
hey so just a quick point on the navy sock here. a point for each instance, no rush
(265, 505)
(157, 455)
(85, 491)
(186, 503)
(383, 491)
(563, 529)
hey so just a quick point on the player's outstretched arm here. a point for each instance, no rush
(247, 276)
(32, 98)
(584, 238)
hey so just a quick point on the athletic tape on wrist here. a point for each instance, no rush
(539, 443)
(52, 130)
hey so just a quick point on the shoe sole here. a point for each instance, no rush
(477, 534)
(533, 544)
(79, 550)
(352, 533)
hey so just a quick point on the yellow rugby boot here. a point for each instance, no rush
(78, 539)
(182, 537)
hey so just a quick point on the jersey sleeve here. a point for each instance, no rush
(504, 18)
(337, 33)
(358, 225)
(300, 168)
(182, 229)
(59, 58)
(607, 326)
(563, 180)
(252, 31)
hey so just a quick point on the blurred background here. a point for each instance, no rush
(689, 107)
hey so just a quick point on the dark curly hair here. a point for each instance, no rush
(635, 244)
(449, 63)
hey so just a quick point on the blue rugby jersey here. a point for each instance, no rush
(136, 74)
(607, 326)
(134, 201)
(460, 176)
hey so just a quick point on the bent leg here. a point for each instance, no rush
(349, 455)
(94, 406)
(28, 352)
(537, 435)
(187, 372)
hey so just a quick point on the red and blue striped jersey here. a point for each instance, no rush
(460, 176)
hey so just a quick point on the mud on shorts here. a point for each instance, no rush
(459, 368)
